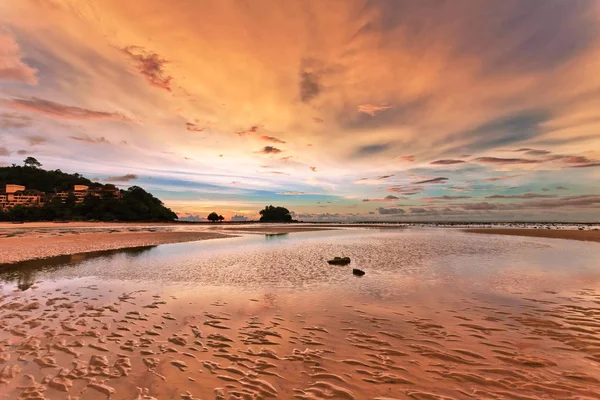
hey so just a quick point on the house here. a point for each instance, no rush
(82, 191)
(14, 195)
(19, 195)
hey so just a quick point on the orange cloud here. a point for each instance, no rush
(269, 150)
(12, 67)
(250, 131)
(272, 139)
(57, 110)
(371, 109)
(150, 65)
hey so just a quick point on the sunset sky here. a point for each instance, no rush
(338, 110)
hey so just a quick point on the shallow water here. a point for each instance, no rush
(439, 314)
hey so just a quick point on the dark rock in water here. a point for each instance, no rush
(358, 272)
(339, 261)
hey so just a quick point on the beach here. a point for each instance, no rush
(570, 234)
(21, 242)
(263, 315)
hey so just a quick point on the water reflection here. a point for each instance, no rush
(404, 262)
(24, 273)
(276, 237)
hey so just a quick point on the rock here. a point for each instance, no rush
(339, 261)
(358, 272)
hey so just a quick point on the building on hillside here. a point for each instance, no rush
(82, 191)
(14, 195)
(19, 195)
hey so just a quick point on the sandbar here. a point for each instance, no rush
(16, 249)
(571, 234)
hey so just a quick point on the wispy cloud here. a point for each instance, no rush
(533, 152)
(272, 139)
(149, 65)
(34, 140)
(122, 178)
(14, 121)
(269, 150)
(87, 139)
(390, 211)
(446, 198)
(498, 160)
(432, 180)
(447, 162)
(407, 158)
(372, 109)
(61, 111)
(12, 66)
(250, 131)
(521, 196)
(193, 127)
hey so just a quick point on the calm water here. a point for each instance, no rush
(396, 262)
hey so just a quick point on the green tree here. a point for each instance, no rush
(32, 163)
(275, 214)
(213, 217)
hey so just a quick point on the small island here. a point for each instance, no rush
(275, 214)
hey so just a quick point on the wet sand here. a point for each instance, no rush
(92, 343)
(28, 247)
(586, 235)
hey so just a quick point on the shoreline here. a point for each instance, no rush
(20, 243)
(568, 234)
(18, 249)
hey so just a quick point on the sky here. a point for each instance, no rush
(340, 110)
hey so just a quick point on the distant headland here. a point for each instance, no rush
(30, 193)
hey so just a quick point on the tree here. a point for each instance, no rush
(221, 218)
(213, 217)
(275, 214)
(32, 163)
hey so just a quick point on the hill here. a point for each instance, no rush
(59, 201)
